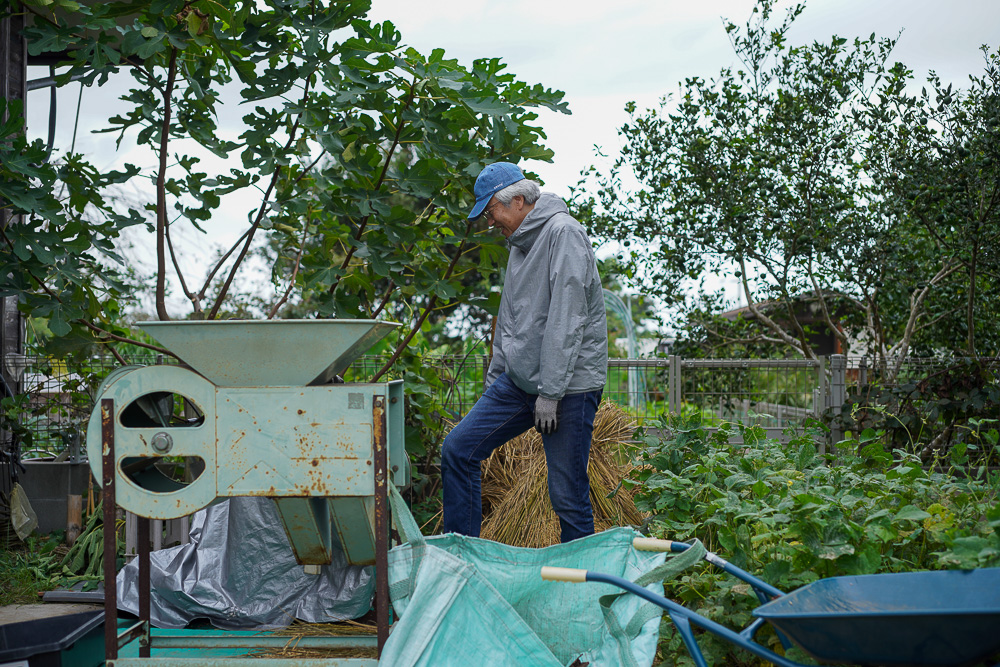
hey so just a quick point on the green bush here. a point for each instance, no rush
(791, 515)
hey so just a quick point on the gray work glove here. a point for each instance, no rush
(546, 415)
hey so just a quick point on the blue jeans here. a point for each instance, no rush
(505, 412)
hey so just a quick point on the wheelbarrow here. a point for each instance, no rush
(919, 619)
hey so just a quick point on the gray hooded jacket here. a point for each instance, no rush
(552, 333)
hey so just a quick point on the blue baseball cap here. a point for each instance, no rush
(491, 180)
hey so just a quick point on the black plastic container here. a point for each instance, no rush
(73, 640)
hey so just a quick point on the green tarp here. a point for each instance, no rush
(469, 601)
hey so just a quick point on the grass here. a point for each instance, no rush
(19, 569)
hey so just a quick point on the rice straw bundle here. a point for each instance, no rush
(516, 506)
(338, 629)
(299, 629)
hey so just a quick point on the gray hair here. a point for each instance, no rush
(526, 188)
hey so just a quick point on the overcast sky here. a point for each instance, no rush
(604, 54)
(601, 54)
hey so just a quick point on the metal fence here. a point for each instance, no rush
(775, 393)
(61, 400)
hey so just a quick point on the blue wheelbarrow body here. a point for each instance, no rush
(914, 619)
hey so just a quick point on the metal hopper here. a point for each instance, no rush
(275, 353)
(258, 415)
(259, 412)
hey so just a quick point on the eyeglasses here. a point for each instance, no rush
(488, 212)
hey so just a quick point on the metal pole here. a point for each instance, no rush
(824, 398)
(142, 528)
(675, 397)
(486, 370)
(838, 395)
(109, 506)
(13, 77)
(381, 521)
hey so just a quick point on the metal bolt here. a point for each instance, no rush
(393, 399)
(161, 443)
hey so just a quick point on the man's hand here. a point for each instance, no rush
(546, 415)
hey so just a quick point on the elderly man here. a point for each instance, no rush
(549, 355)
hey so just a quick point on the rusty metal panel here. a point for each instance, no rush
(105, 413)
(307, 524)
(353, 520)
(381, 455)
(399, 462)
(295, 441)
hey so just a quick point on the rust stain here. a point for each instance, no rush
(315, 462)
(301, 411)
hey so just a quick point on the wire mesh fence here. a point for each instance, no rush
(867, 371)
(60, 400)
(775, 393)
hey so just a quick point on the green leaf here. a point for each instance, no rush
(488, 106)
(490, 304)
(834, 551)
(58, 326)
(349, 152)
(911, 513)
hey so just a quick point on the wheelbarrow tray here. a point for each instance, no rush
(911, 618)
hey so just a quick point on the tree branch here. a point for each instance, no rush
(385, 299)
(122, 339)
(193, 298)
(161, 193)
(406, 341)
(768, 322)
(295, 273)
(219, 264)
(87, 323)
(119, 358)
(260, 211)
(840, 335)
(427, 309)
(378, 185)
(901, 348)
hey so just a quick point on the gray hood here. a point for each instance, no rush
(552, 333)
(547, 206)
